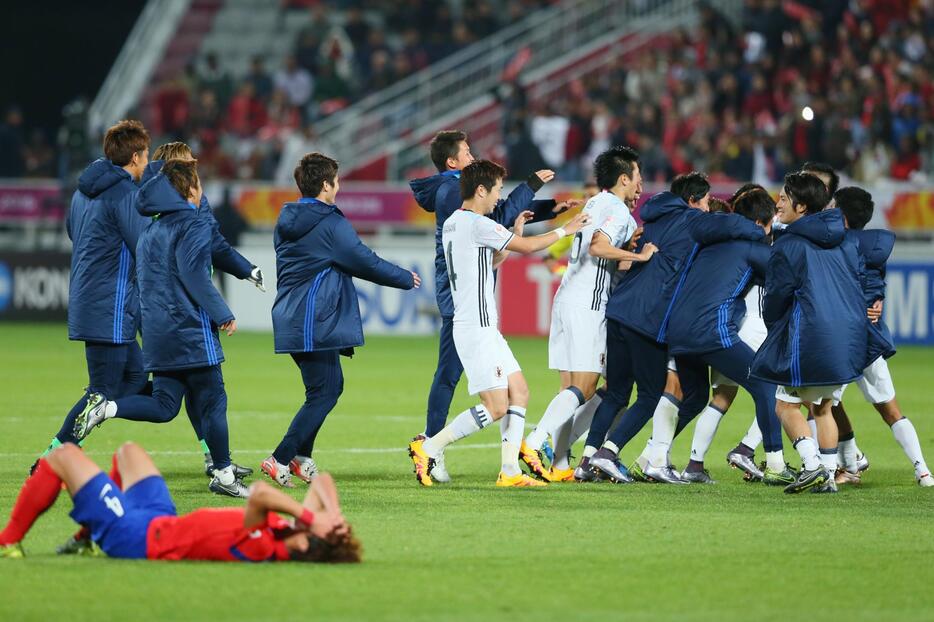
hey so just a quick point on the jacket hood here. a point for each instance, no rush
(661, 204)
(157, 196)
(425, 188)
(875, 245)
(826, 228)
(152, 169)
(297, 219)
(100, 176)
(714, 228)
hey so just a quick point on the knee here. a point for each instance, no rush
(497, 411)
(62, 454)
(127, 449)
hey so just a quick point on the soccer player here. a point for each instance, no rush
(703, 329)
(637, 315)
(875, 246)
(440, 194)
(577, 341)
(316, 316)
(819, 336)
(474, 246)
(131, 515)
(181, 314)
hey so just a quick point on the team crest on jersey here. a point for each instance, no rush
(499, 371)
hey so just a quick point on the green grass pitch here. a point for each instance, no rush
(469, 551)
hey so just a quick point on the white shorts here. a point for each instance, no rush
(577, 340)
(486, 357)
(810, 395)
(876, 382)
(752, 332)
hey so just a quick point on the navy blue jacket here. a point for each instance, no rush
(224, 257)
(180, 306)
(710, 306)
(643, 298)
(103, 299)
(875, 246)
(317, 253)
(441, 194)
(815, 309)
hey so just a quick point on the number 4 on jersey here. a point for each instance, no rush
(452, 276)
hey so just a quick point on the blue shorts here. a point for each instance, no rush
(119, 519)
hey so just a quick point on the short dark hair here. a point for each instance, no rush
(807, 190)
(445, 145)
(748, 187)
(717, 206)
(612, 163)
(856, 204)
(312, 171)
(123, 139)
(756, 205)
(480, 173)
(183, 175)
(823, 169)
(691, 186)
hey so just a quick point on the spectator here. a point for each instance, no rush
(246, 113)
(38, 156)
(11, 144)
(259, 78)
(356, 26)
(296, 82)
(213, 78)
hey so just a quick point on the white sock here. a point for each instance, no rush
(560, 409)
(753, 435)
(583, 417)
(512, 427)
(707, 424)
(611, 446)
(807, 449)
(110, 410)
(226, 475)
(907, 437)
(664, 422)
(813, 425)
(775, 460)
(589, 450)
(562, 440)
(828, 458)
(471, 420)
(848, 454)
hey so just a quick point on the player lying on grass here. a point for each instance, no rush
(474, 245)
(131, 515)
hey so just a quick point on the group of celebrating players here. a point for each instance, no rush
(784, 300)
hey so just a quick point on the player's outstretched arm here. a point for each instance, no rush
(535, 243)
(357, 259)
(600, 247)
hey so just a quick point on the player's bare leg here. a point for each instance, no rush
(134, 464)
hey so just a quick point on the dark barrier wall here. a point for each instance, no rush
(34, 286)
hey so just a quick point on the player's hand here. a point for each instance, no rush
(229, 327)
(545, 175)
(256, 278)
(634, 240)
(564, 206)
(326, 525)
(521, 219)
(416, 280)
(874, 313)
(647, 251)
(577, 223)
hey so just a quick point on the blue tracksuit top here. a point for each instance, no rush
(441, 194)
(710, 306)
(815, 309)
(181, 308)
(317, 253)
(644, 296)
(224, 257)
(103, 300)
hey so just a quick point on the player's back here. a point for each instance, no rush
(469, 241)
(586, 282)
(215, 534)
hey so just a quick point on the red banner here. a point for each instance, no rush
(32, 202)
(525, 287)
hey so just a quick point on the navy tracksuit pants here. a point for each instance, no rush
(447, 375)
(115, 370)
(733, 362)
(204, 388)
(324, 383)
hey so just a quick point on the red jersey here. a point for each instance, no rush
(215, 534)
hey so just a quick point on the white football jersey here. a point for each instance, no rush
(586, 283)
(469, 241)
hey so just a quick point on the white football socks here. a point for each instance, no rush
(512, 427)
(807, 449)
(706, 429)
(471, 420)
(848, 454)
(812, 423)
(110, 410)
(562, 440)
(907, 437)
(775, 460)
(828, 459)
(560, 409)
(583, 417)
(753, 435)
(664, 423)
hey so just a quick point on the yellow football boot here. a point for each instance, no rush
(517, 481)
(533, 460)
(421, 461)
(561, 475)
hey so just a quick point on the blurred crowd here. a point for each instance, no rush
(848, 82)
(845, 82)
